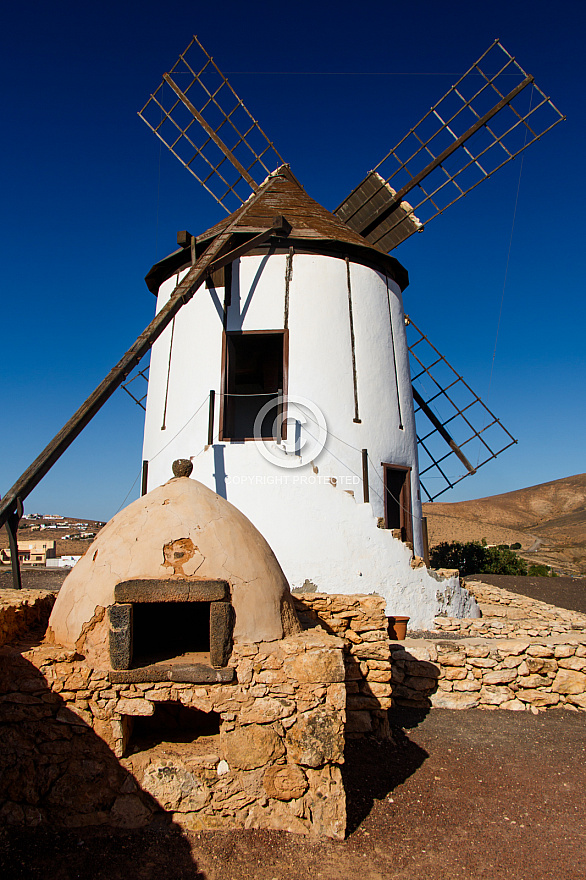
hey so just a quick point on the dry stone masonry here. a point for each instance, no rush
(261, 743)
(268, 755)
(22, 611)
(509, 615)
(361, 621)
(520, 655)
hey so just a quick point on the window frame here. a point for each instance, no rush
(224, 381)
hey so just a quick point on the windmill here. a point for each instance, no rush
(490, 115)
(303, 303)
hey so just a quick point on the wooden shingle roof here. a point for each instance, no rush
(286, 196)
(311, 224)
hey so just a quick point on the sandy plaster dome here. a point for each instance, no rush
(215, 540)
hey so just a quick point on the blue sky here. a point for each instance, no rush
(90, 202)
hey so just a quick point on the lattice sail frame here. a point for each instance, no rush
(197, 114)
(455, 408)
(489, 116)
(141, 375)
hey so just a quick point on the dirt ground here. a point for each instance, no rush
(474, 794)
(35, 578)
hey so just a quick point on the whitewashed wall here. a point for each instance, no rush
(319, 531)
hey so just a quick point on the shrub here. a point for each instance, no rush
(539, 570)
(473, 558)
(515, 546)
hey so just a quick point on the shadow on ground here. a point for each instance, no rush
(57, 776)
(373, 769)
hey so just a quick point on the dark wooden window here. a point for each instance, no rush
(398, 515)
(254, 374)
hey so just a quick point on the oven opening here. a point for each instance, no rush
(171, 630)
(173, 723)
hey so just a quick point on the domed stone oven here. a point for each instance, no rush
(175, 577)
(180, 671)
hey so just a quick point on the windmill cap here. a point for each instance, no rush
(313, 228)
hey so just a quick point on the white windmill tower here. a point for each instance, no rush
(287, 380)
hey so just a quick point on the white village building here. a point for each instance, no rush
(311, 420)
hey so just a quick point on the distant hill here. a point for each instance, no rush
(548, 520)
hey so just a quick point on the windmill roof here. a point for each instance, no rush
(311, 223)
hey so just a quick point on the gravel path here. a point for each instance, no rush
(461, 794)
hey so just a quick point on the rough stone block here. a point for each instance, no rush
(285, 783)
(564, 651)
(358, 722)
(322, 666)
(120, 635)
(183, 590)
(576, 662)
(255, 745)
(499, 676)
(316, 738)
(569, 681)
(267, 709)
(134, 707)
(443, 700)
(494, 695)
(533, 681)
(540, 651)
(455, 673)
(537, 698)
(467, 686)
(174, 786)
(221, 616)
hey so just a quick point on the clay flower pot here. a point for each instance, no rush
(398, 627)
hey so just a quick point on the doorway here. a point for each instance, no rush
(397, 480)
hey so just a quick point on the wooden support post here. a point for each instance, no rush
(211, 418)
(365, 486)
(12, 522)
(425, 540)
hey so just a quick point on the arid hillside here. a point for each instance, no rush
(72, 535)
(548, 520)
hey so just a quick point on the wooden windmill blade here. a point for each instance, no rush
(448, 411)
(489, 116)
(197, 114)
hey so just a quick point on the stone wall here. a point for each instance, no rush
(273, 761)
(362, 622)
(510, 615)
(520, 655)
(22, 610)
(531, 655)
(490, 673)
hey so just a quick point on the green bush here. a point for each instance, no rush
(539, 570)
(473, 558)
(515, 546)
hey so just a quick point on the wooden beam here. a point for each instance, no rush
(385, 211)
(180, 296)
(442, 431)
(212, 134)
